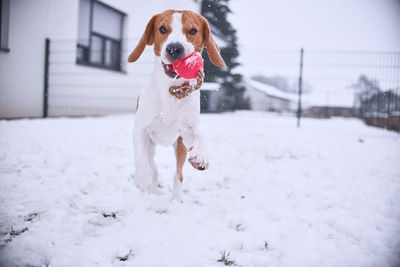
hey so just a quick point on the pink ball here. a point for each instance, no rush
(189, 66)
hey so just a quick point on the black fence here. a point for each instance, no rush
(358, 84)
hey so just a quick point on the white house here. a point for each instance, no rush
(268, 98)
(89, 41)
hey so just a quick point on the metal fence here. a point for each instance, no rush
(333, 83)
(358, 84)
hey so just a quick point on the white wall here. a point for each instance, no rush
(21, 69)
(74, 89)
(261, 101)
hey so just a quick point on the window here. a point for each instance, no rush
(4, 16)
(99, 35)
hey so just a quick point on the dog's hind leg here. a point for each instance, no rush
(180, 152)
(146, 176)
(153, 167)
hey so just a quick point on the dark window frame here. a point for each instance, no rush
(4, 25)
(85, 50)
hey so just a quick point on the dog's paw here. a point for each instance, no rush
(198, 159)
(177, 190)
(141, 184)
(146, 184)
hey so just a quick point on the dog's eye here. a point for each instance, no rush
(193, 31)
(163, 30)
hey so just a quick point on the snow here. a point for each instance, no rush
(326, 194)
(193, 59)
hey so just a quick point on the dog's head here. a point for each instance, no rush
(175, 35)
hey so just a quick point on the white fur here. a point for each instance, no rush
(162, 118)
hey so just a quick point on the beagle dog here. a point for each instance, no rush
(161, 118)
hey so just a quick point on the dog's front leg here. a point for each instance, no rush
(197, 148)
(146, 176)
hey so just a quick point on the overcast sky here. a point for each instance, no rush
(271, 34)
(318, 24)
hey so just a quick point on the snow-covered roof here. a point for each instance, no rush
(269, 90)
(210, 87)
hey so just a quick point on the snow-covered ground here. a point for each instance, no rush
(327, 194)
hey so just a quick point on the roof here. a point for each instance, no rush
(269, 90)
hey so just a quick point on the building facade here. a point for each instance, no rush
(264, 97)
(89, 41)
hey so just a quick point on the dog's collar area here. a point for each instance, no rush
(185, 89)
(169, 71)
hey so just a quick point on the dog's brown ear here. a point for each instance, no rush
(147, 39)
(212, 47)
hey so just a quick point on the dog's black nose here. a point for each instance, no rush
(175, 50)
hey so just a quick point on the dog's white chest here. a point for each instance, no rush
(171, 120)
(164, 130)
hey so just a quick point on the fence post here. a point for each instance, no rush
(46, 77)
(300, 87)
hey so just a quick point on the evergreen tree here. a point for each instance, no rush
(216, 12)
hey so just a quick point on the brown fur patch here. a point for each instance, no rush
(191, 20)
(181, 152)
(152, 34)
(203, 37)
(163, 19)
